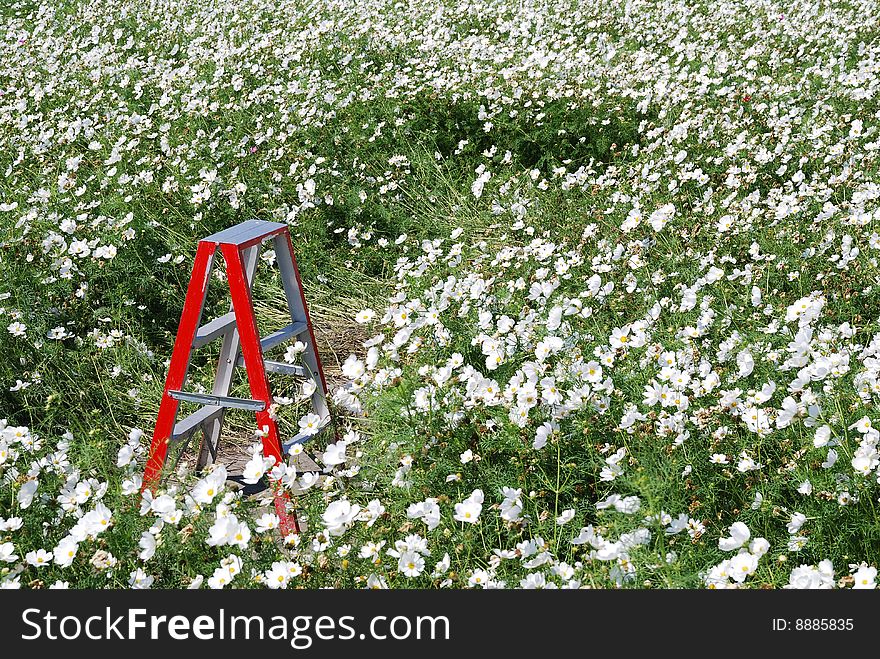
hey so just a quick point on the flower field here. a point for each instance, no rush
(596, 286)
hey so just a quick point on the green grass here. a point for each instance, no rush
(387, 157)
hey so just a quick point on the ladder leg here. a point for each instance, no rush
(256, 371)
(225, 369)
(250, 345)
(189, 322)
(299, 311)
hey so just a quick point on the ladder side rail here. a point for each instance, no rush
(250, 347)
(226, 362)
(189, 322)
(256, 372)
(299, 312)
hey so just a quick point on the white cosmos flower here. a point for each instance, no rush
(334, 454)
(256, 467)
(795, 523)
(267, 522)
(822, 436)
(411, 564)
(428, 511)
(39, 558)
(865, 577)
(469, 510)
(7, 552)
(17, 328)
(140, 580)
(278, 576)
(291, 355)
(126, 453)
(147, 543)
(511, 506)
(371, 512)
(743, 565)
(806, 577)
(544, 432)
(739, 535)
(210, 486)
(310, 424)
(65, 552)
(26, 494)
(365, 316)
(339, 515)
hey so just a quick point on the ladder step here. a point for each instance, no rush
(210, 331)
(219, 401)
(278, 367)
(246, 232)
(301, 438)
(185, 427)
(282, 335)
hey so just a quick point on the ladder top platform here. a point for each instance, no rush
(246, 234)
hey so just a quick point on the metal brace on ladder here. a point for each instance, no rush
(242, 346)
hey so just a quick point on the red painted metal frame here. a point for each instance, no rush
(306, 310)
(249, 336)
(186, 332)
(252, 353)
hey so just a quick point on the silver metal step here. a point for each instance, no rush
(284, 334)
(219, 401)
(301, 438)
(186, 426)
(210, 331)
(278, 367)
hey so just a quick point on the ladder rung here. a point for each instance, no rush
(219, 401)
(185, 427)
(278, 367)
(301, 438)
(210, 331)
(282, 335)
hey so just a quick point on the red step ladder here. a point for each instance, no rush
(240, 246)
